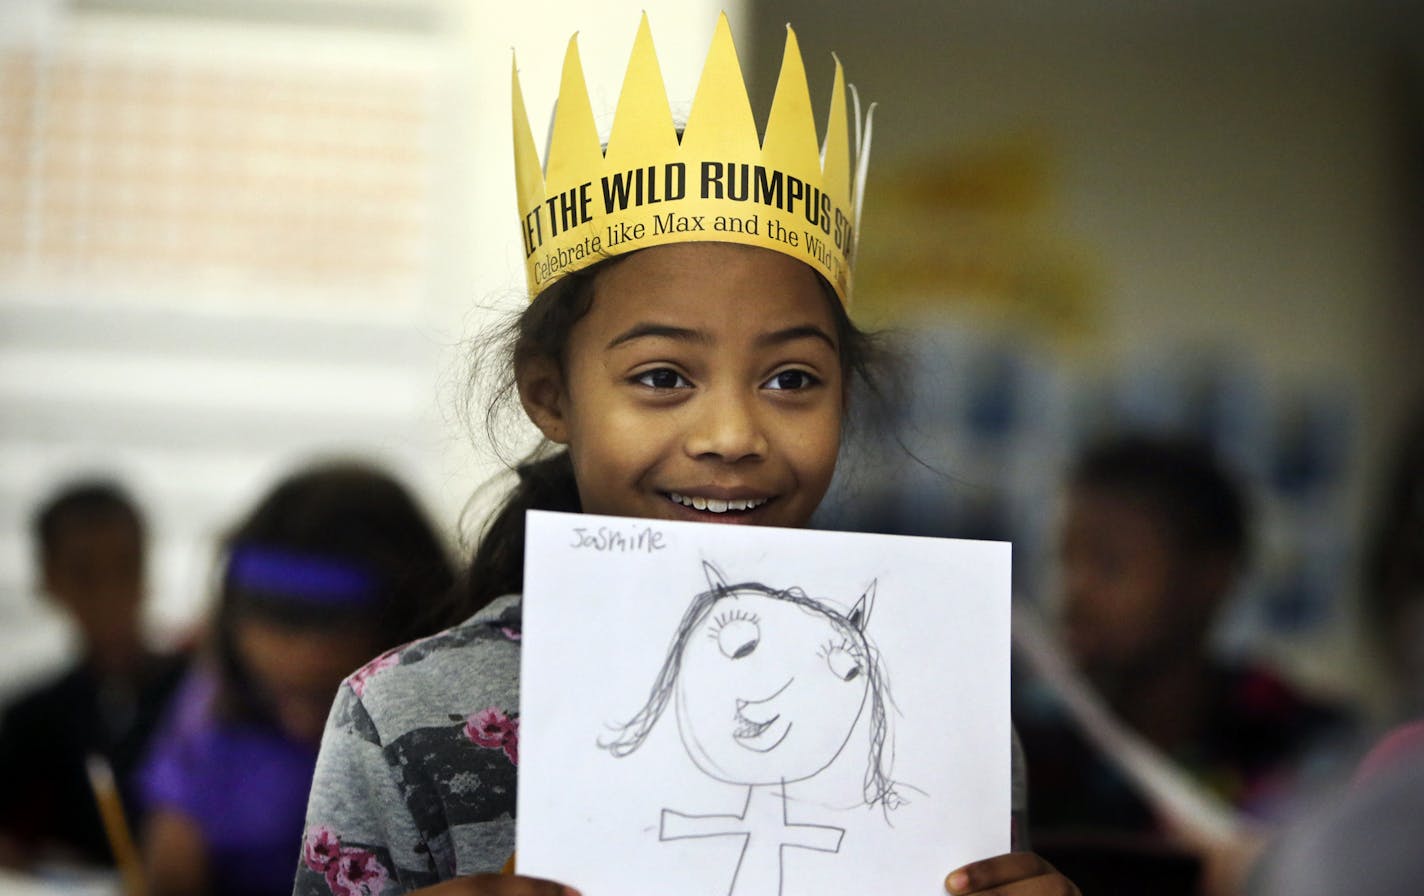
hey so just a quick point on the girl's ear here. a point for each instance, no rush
(541, 392)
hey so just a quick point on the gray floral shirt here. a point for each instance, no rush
(415, 782)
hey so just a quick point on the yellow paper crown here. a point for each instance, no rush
(717, 182)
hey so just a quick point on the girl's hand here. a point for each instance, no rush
(1011, 874)
(497, 885)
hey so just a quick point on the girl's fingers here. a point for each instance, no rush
(1014, 873)
(497, 885)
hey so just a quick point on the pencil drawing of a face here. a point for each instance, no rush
(770, 689)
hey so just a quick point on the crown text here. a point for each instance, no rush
(642, 186)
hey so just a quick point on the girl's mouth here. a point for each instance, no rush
(717, 505)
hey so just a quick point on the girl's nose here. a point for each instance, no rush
(726, 428)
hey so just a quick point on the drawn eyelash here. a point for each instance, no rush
(844, 644)
(731, 616)
(727, 617)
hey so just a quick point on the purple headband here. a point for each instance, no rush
(301, 578)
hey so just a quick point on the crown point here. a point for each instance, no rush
(721, 119)
(574, 149)
(528, 176)
(790, 141)
(835, 152)
(862, 169)
(642, 122)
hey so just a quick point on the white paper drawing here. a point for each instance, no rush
(729, 711)
(768, 686)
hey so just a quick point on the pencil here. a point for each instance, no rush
(116, 827)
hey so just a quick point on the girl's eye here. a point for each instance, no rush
(792, 379)
(662, 378)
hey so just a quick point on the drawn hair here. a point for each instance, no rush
(878, 788)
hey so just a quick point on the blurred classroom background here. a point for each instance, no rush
(235, 236)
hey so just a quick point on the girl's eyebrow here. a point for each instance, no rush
(684, 334)
(777, 337)
(640, 331)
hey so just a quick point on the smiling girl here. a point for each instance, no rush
(689, 375)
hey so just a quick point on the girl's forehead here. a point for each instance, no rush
(710, 286)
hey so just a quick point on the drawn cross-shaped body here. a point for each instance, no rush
(766, 833)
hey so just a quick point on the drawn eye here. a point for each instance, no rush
(843, 663)
(738, 638)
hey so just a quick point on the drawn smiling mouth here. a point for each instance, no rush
(746, 728)
(761, 735)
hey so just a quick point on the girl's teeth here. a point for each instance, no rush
(717, 505)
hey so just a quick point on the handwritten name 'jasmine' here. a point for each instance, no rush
(634, 540)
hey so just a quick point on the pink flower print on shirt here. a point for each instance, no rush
(349, 871)
(356, 872)
(320, 847)
(492, 729)
(364, 674)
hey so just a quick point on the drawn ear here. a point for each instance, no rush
(714, 577)
(860, 613)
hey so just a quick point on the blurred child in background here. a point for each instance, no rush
(1394, 573)
(91, 556)
(335, 565)
(1154, 539)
